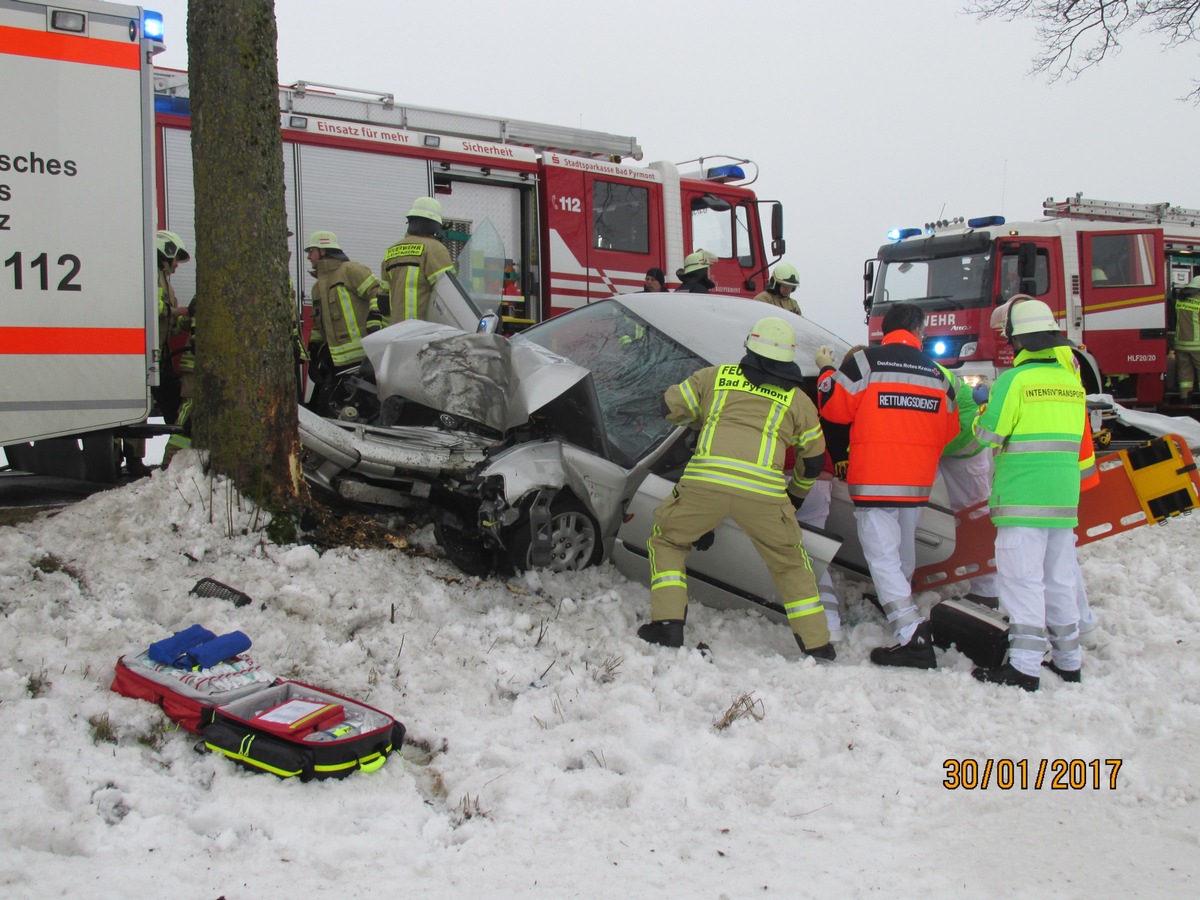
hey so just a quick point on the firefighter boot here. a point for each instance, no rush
(1006, 675)
(824, 653)
(916, 654)
(666, 632)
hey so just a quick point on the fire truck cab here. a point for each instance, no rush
(1108, 270)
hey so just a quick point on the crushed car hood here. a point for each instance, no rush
(483, 377)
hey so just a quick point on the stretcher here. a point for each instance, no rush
(1145, 485)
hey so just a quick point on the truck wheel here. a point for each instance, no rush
(100, 462)
(574, 538)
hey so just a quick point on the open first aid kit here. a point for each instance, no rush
(211, 687)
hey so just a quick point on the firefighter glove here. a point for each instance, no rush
(824, 357)
(840, 468)
(705, 540)
(797, 501)
(374, 321)
(980, 393)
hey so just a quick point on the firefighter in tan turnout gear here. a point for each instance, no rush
(782, 284)
(413, 266)
(747, 416)
(346, 307)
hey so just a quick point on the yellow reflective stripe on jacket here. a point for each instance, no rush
(350, 350)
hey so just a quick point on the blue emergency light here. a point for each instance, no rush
(725, 174)
(985, 221)
(939, 348)
(152, 25)
(899, 234)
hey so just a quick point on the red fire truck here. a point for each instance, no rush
(539, 218)
(1107, 269)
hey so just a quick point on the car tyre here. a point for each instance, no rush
(574, 538)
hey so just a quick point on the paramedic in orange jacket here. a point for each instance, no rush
(901, 411)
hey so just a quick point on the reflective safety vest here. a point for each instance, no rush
(412, 267)
(168, 318)
(1037, 417)
(965, 444)
(902, 413)
(345, 295)
(745, 431)
(1187, 322)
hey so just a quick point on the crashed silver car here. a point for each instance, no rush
(549, 448)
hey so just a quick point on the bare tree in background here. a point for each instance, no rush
(245, 415)
(1078, 34)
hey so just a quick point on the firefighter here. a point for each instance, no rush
(656, 281)
(1185, 339)
(693, 277)
(1037, 419)
(412, 267)
(747, 415)
(901, 411)
(345, 308)
(782, 284)
(172, 319)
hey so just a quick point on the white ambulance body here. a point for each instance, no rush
(77, 292)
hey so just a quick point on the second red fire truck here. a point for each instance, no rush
(1108, 269)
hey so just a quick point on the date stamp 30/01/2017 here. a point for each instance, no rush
(1026, 774)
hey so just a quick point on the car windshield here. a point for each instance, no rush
(632, 365)
(951, 282)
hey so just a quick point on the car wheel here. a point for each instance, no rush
(574, 538)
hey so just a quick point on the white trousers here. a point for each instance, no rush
(888, 538)
(969, 481)
(1038, 584)
(814, 511)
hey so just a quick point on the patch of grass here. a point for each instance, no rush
(468, 808)
(156, 737)
(48, 564)
(102, 730)
(37, 684)
(743, 706)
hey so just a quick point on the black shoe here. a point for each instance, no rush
(667, 633)
(1006, 674)
(1071, 676)
(824, 653)
(916, 654)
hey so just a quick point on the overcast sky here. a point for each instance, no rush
(862, 116)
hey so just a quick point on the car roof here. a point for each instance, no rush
(714, 326)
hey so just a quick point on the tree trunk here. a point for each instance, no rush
(245, 406)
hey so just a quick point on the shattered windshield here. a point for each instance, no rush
(632, 366)
(952, 282)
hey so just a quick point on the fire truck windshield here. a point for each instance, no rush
(944, 283)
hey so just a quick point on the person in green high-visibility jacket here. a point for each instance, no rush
(413, 265)
(1036, 418)
(1185, 339)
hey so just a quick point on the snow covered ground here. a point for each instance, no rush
(556, 755)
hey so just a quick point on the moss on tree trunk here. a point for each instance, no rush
(245, 408)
